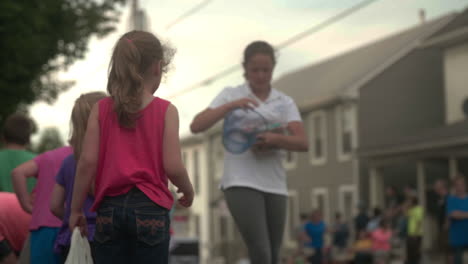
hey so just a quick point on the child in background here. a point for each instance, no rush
(131, 148)
(16, 133)
(44, 225)
(15, 136)
(60, 204)
(362, 248)
(315, 230)
(415, 231)
(14, 228)
(340, 240)
(381, 242)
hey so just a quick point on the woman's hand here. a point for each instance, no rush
(187, 198)
(208, 117)
(268, 139)
(244, 103)
(266, 142)
(77, 219)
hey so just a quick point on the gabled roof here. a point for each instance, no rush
(446, 136)
(329, 79)
(454, 32)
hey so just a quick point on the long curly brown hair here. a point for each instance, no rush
(79, 119)
(133, 54)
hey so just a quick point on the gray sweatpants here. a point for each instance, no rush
(260, 218)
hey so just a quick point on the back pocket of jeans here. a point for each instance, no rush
(152, 227)
(104, 225)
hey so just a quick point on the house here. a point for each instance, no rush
(389, 112)
(413, 117)
(333, 176)
(208, 218)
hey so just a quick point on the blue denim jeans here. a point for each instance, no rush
(130, 228)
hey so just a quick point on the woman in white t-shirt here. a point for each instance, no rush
(254, 182)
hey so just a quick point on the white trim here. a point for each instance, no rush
(310, 120)
(341, 156)
(291, 165)
(342, 190)
(326, 207)
(216, 232)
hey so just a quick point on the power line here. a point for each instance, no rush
(188, 13)
(347, 12)
(325, 23)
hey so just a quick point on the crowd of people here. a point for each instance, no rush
(394, 233)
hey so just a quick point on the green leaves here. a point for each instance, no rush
(39, 38)
(50, 139)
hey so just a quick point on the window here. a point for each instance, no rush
(293, 205)
(456, 94)
(196, 171)
(196, 220)
(223, 227)
(226, 228)
(345, 130)
(290, 160)
(321, 201)
(193, 160)
(218, 157)
(292, 218)
(347, 201)
(318, 137)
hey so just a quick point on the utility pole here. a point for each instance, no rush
(138, 19)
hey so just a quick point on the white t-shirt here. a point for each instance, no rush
(262, 172)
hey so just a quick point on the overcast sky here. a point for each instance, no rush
(213, 39)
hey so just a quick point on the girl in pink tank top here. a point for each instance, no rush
(381, 242)
(130, 151)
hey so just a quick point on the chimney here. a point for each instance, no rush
(422, 16)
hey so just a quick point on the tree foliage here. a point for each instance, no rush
(40, 37)
(50, 139)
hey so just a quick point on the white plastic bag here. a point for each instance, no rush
(80, 252)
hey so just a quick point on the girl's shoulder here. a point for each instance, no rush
(105, 103)
(160, 104)
(159, 100)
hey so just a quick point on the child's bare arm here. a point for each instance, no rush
(57, 201)
(19, 174)
(172, 157)
(86, 170)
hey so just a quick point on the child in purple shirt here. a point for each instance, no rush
(60, 203)
(64, 182)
